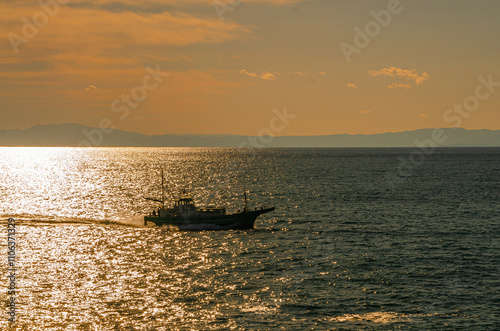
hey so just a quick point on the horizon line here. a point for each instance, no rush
(246, 135)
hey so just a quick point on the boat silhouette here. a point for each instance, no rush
(184, 214)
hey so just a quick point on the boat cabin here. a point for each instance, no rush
(184, 202)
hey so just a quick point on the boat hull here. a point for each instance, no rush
(243, 220)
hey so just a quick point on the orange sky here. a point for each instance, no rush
(229, 67)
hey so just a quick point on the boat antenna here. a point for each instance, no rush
(162, 200)
(246, 199)
(162, 188)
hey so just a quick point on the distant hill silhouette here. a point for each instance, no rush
(76, 134)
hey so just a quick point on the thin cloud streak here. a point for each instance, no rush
(268, 76)
(409, 74)
(396, 85)
(249, 74)
(265, 75)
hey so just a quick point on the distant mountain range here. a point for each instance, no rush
(79, 135)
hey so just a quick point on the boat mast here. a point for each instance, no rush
(246, 199)
(162, 188)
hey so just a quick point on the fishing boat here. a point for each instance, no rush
(185, 215)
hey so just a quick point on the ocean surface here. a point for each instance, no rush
(361, 239)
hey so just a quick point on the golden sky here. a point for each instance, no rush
(214, 67)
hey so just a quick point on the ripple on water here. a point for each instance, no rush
(340, 251)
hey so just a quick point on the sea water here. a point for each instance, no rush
(360, 239)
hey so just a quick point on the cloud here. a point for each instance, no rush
(85, 43)
(250, 74)
(111, 43)
(422, 115)
(396, 85)
(265, 75)
(409, 74)
(365, 111)
(300, 73)
(322, 73)
(80, 31)
(155, 4)
(268, 76)
(183, 3)
(351, 85)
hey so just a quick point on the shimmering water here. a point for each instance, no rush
(345, 249)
